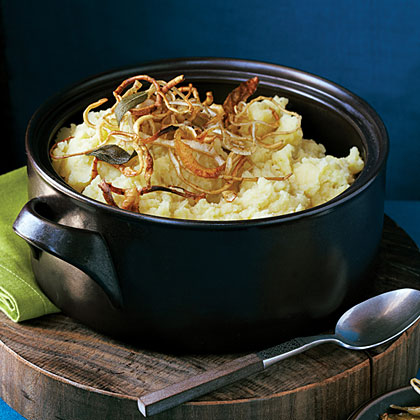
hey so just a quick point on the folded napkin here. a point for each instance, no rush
(20, 296)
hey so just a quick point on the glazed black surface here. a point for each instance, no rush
(208, 286)
(403, 397)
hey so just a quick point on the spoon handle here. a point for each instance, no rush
(226, 374)
(199, 385)
(292, 347)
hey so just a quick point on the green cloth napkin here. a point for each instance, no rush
(20, 296)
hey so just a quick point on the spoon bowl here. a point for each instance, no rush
(379, 319)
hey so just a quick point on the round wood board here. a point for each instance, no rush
(53, 368)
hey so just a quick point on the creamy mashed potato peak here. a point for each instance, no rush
(163, 150)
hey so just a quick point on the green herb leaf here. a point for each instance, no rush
(128, 103)
(112, 154)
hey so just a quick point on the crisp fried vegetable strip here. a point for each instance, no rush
(173, 117)
(148, 162)
(107, 192)
(132, 195)
(94, 172)
(185, 154)
(160, 133)
(89, 108)
(131, 200)
(174, 190)
(239, 94)
(415, 383)
(175, 81)
(54, 146)
(415, 411)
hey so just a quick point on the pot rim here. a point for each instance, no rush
(237, 67)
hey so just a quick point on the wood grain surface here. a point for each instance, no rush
(53, 368)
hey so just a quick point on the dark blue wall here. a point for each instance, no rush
(370, 47)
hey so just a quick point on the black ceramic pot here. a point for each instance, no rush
(199, 285)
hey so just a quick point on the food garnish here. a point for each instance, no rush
(161, 149)
(175, 118)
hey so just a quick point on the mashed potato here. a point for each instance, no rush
(284, 179)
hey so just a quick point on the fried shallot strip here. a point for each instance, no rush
(54, 146)
(107, 193)
(185, 154)
(174, 117)
(131, 200)
(89, 108)
(174, 190)
(132, 195)
(94, 171)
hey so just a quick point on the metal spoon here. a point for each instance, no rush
(366, 325)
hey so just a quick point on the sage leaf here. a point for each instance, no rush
(128, 103)
(112, 154)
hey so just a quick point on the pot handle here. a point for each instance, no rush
(84, 249)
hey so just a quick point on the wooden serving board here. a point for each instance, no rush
(53, 368)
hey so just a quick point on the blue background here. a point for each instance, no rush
(370, 47)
